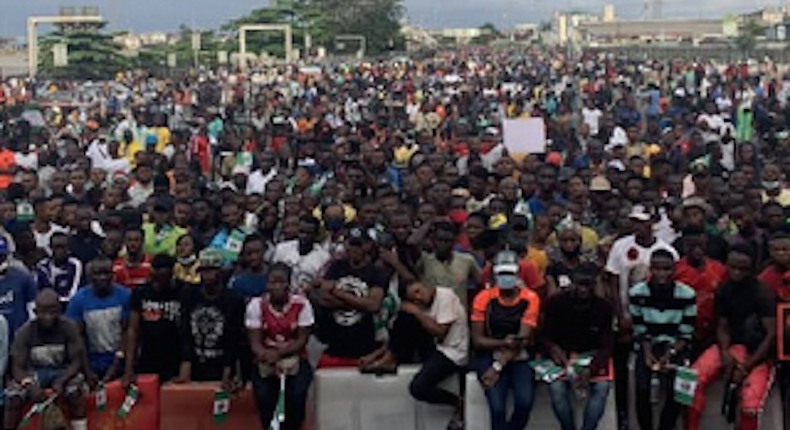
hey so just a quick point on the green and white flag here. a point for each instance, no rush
(685, 385)
(579, 363)
(129, 401)
(101, 398)
(279, 412)
(221, 407)
(36, 408)
(546, 370)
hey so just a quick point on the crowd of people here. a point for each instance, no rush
(210, 227)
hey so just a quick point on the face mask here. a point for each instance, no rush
(771, 185)
(334, 225)
(506, 282)
(186, 261)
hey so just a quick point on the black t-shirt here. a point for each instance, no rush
(575, 326)
(158, 343)
(350, 333)
(211, 330)
(744, 305)
(52, 348)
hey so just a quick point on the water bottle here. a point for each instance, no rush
(655, 388)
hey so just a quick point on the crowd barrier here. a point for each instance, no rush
(348, 400)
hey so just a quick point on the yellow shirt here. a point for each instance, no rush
(162, 139)
(131, 149)
(539, 258)
(783, 198)
(589, 238)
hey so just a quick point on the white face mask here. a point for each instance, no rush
(4, 266)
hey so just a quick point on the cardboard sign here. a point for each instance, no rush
(783, 331)
(524, 136)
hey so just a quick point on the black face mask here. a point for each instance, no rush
(571, 254)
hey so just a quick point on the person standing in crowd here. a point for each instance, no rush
(186, 268)
(278, 325)
(230, 238)
(61, 271)
(704, 275)
(347, 301)
(153, 335)
(663, 313)
(133, 269)
(504, 318)
(44, 222)
(446, 267)
(212, 325)
(251, 280)
(17, 291)
(47, 353)
(304, 255)
(746, 336)
(160, 235)
(84, 243)
(628, 264)
(440, 312)
(576, 321)
(101, 310)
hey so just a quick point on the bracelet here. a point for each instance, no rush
(27, 381)
(120, 355)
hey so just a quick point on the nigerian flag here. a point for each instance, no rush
(685, 385)
(546, 370)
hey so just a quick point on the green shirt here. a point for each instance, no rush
(163, 241)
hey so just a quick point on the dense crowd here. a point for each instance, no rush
(209, 228)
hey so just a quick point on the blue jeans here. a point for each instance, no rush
(561, 393)
(517, 377)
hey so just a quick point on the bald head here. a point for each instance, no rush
(47, 308)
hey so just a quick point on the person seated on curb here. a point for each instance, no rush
(440, 311)
(576, 321)
(212, 325)
(746, 336)
(278, 325)
(47, 353)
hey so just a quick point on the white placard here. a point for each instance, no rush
(524, 136)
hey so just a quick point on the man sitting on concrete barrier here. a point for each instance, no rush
(664, 312)
(577, 322)
(504, 318)
(746, 333)
(47, 353)
(440, 312)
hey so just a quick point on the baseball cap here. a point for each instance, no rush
(506, 270)
(640, 213)
(4, 248)
(600, 183)
(697, 202)
(210, 258)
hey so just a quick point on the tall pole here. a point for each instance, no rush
(32, 48)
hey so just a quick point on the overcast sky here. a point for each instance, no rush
(150, 15)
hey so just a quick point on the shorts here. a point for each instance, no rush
(45, 377)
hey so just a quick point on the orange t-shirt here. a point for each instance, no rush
(485, 297)
(6, 163)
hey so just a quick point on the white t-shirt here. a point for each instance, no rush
(256, 182)
(253, 320)
(592, 118)
(447, 309)
(305, 268)
(42, 239)
(630, 261)
(27, 161)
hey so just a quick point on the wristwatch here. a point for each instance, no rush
(120, 355)
(497, 366)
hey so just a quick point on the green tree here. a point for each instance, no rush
(377, 20)
(747, 37)
(92, 54)
(489, 33)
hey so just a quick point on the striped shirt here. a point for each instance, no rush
(659, 316)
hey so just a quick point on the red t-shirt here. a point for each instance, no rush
(778, 280)
(131, 276)
(705, 281)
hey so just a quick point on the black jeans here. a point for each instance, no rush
(622, 352)
(409, 342)
(644, 408)
(425, 385)
(267, 392)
